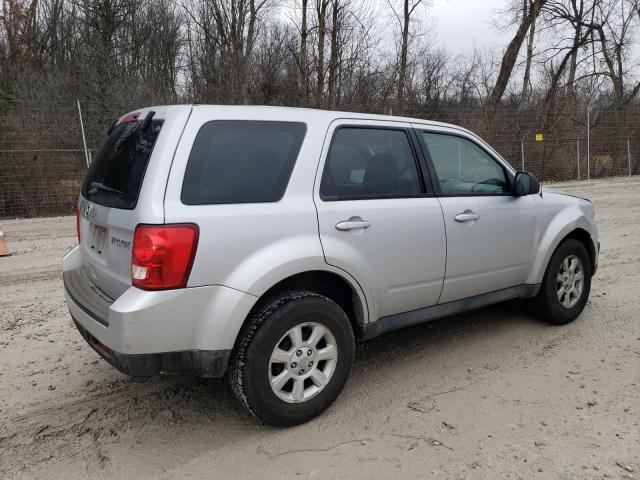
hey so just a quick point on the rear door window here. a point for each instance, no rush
(236, 161)
(369, 163)
(116, 172)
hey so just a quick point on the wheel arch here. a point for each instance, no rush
(584, 237)
(550, 242)
(345, 292)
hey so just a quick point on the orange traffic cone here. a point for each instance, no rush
(4, 250)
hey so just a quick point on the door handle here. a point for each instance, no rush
(352, 224)
(466, 216)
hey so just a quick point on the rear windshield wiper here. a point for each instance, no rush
(95, 186)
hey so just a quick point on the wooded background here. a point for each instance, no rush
(570, 72)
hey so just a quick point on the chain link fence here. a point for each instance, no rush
(42, 157)
(40, 182)
(43, 160)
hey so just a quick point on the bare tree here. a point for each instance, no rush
(321, 14)
(613, 35)
(404, 21)
(229, 28)
(509, 60)
(337, 8)
(526, 81)
(19, 22)
(303, 64)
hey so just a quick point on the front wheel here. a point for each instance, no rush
(566, 285)
(293, 358)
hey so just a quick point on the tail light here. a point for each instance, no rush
(162, 255)
(78, 223)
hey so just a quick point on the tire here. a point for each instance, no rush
(552, 309)
(275, 323)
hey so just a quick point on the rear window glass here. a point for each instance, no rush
(116, 172)
(241, 162)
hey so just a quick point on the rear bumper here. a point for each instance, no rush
(202, 363)
(142, 333)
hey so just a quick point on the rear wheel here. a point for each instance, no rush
(293, 358)
(567, 282)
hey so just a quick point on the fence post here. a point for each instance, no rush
(84, 139)
(629, 155)
(522, 153)
(578, 155)
(588, 142)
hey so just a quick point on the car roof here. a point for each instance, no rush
(267, 112)
(295, 113)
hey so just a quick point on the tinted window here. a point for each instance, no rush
(116, 173)
(241, 162)
(369, 163)
(463, 167)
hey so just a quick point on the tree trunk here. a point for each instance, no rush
(402, 76)
(508, 62)
(526, 80)
(321, 10)
(303, 93)
(236, 33)
(578, 13)
(573, 62)
(248, 49)
(556, 74)
(333, 56)
(616, 80)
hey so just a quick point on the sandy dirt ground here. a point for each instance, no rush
(490, 394)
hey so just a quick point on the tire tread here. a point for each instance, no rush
(544, 301)
(256, 319)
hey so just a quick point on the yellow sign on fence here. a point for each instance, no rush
(539, 137)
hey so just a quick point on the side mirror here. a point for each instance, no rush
(525, 184)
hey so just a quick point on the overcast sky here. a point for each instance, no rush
(462, 25)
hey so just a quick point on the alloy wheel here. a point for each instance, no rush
(570, 281)
(303, 362)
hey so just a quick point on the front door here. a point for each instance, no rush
(490, 232)
(377, 218)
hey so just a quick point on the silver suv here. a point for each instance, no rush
(260, 242)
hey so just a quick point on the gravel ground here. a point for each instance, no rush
(491, 394)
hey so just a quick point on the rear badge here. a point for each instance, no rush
(120, 243)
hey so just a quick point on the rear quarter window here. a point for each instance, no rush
(235, 161)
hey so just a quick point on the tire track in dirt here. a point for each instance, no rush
(29, 277)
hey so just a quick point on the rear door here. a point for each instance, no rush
(124, 187)
(378, 219)
(490, 232)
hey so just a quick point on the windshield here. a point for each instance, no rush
(116, 172)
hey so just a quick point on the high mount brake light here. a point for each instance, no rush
(162, 255)
(129, 118)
